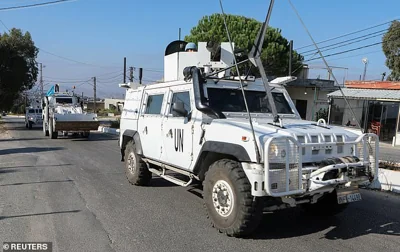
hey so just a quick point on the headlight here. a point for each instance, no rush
(277, 150)
(273, 150)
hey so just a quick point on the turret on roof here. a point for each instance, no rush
(209, 55)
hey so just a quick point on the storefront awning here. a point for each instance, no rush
(367, 94)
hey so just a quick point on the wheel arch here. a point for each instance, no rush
(127, 136)
(213, 151)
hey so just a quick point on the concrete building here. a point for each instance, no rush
(310, 96)
(113, 104)
(376, 106)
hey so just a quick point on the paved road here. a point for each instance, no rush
(73, 193)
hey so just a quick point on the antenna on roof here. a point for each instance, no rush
(241, 85)
(255, 58)
(326, 64)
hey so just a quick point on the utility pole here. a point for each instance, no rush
(124, 69)
(130, 74)
(290, 57)
(140, 75)
(41, 80)
(94, 96)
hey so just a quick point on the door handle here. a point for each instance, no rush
(145, 130)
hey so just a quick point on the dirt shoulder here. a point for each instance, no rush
(3, 131)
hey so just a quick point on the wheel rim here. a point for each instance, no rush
(131, 163)
(222, 197)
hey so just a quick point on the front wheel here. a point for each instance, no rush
(136, 170)
(228, 200)
(45, 130)
(30, 125)
(54, 134)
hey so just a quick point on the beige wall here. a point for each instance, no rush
(321, 99)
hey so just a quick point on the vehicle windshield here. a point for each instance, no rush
(231, 100)
(31, 111)
(64, 100)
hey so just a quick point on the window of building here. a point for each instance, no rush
(183, 97)
(154, 104)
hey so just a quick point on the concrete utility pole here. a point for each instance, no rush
(41, 80)
(124, 70)
(94, 96)
(290, 56)
(130, 74)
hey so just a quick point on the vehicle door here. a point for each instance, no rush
(177, 131)
(149, 125)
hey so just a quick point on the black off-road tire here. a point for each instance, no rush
(45, 131)
(247, 211)
(30, 125)
(326, 206)
(53, 134)
(139, 174)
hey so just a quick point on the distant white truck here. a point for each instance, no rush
(63, 112)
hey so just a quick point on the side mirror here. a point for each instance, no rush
(179, 108)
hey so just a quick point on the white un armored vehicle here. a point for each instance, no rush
(63, 112)
(252, 152)
(33, 114)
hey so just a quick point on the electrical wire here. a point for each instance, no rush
(347, 34)
(34, 5)
(350, 50)
(350, 43)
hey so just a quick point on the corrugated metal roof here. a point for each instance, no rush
(372, 94)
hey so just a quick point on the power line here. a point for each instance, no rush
(347, 34)
(367, 36)
(352, 56)
(341, 45)
(350, 50)
(34, 5)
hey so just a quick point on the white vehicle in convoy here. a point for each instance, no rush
(33, 116)
(251, 150)
(63, 111)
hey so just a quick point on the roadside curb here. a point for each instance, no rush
(388, 180)
(108, 130)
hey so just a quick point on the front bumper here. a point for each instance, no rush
(284, 174)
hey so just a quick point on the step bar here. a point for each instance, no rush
(172, 179)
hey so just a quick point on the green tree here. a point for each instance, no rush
(18, 66)
(391, 49)
(243, 31)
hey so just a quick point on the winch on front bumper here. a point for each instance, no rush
(291, 168)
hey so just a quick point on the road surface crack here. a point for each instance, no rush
(110, 240)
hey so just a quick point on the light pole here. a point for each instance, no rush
(365, 61)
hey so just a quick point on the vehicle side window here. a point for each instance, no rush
(154, 104)
(183, 97)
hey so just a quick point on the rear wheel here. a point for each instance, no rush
(228, 200)
(136, 170)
